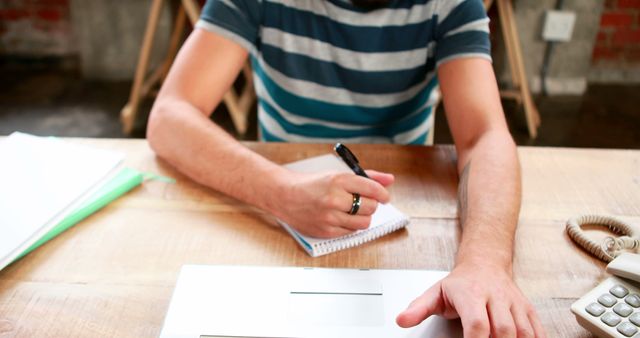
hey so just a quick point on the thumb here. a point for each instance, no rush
(429, 303)
(380, 177)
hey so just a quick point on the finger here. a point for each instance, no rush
(383, 178)
(352, 222)
(344, 202)
(366, 187)
(501, 320)
(523, 324)
(474, 318)
(429, 303)
(538, 329)
(367, 205)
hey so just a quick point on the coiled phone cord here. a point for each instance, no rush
(611, 247)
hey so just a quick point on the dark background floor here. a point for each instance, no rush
(45, 99)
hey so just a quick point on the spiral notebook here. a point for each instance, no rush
(385, 220)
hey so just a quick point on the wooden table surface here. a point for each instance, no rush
(113, 274)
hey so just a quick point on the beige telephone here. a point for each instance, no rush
(611, 309)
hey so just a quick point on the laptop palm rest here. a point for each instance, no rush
(276, 302)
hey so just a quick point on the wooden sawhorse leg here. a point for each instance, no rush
(521, 93)
(128, 113)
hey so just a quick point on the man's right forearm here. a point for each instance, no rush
(185, 137)
(316, 204)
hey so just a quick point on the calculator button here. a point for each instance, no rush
(633, 300)
(595, 309)
(635, 319)
(619, 291)
(627, 329)
(607, 300)
(623, 309)
(611, 319)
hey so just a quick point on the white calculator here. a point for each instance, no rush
(612, 309)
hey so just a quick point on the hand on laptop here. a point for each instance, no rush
(484, 297)
(318, 205)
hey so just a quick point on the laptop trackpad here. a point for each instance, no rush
(327, 298)
(336, 309)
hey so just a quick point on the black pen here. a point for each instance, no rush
(349, 158)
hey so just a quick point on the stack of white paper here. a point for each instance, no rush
(41, 181)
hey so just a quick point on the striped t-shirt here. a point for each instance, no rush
(327, 71)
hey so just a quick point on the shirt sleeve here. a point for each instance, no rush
(237, 20)
(462, 31)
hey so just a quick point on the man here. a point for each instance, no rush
(358, 71)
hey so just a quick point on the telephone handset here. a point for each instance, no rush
(611, 309)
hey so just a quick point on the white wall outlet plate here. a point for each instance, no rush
(558, 25)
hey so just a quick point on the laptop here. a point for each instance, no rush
(291, 302)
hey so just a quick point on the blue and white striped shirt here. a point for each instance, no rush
(328, 71)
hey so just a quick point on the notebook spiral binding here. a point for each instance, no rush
(358, 238)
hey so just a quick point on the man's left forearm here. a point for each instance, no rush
(489, 196)
(480, 288)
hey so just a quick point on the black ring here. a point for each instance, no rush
(355, 205)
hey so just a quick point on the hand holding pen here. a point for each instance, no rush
(332, 204)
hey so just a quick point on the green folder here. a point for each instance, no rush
(124, 181)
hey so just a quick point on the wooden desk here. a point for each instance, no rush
(113, 274)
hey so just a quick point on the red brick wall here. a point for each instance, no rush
(619, 37)
(35, 28)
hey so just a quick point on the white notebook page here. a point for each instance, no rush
(384, 215)
(39, 179)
